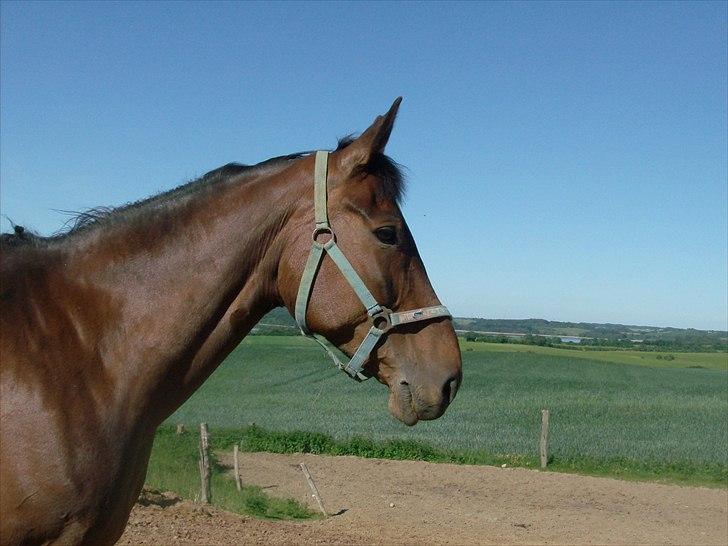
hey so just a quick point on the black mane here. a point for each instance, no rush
(381, 166)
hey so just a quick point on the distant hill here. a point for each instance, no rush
(280, 320)
(582, 329)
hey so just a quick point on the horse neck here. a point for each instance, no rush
(185, 286)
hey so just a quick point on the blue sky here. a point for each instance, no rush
(566, 160)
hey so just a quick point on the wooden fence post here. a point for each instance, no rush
(237, 468)
(312, 485)
(205, 496)
(544, 443)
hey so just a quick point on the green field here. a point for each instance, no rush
(609, 409)
(711, 361)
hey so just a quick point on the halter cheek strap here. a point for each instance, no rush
(324, 241)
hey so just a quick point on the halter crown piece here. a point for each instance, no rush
(383, 319)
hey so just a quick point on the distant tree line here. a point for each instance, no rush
(594, 336)
(591, 330)
(661, 345)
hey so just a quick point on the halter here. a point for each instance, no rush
(383, 319)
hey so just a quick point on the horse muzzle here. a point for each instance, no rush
(415, 401)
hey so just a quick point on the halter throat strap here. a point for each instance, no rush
(324, 242)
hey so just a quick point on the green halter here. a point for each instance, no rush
(383, 319)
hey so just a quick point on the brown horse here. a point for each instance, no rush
(108, 328)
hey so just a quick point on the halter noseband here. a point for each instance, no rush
(383, 319)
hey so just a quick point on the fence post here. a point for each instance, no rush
(544, 442)
(314, 490)
(205, 495)
(237, 468)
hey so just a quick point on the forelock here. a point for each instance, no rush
(392, 182)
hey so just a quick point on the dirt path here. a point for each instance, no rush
(445, 504)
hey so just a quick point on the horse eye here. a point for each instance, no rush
(387, 235)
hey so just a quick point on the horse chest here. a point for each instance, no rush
(68, 488)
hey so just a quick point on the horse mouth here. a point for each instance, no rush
(401, 403)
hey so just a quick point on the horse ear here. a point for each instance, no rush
(372, 141)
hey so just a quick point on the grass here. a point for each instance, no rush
(173, 467)
(710, 361)
(255, 438)
(607, 416)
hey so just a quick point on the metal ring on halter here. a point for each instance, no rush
(385, 315)
(323, 230)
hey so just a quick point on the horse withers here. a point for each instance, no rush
(108, 328)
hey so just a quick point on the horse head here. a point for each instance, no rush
(362, 284)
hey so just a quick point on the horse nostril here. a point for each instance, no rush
(450, 389)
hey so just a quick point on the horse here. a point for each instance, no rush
(108, 327)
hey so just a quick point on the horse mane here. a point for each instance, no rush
(20, 236)
(392, 180)
(384, 168)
